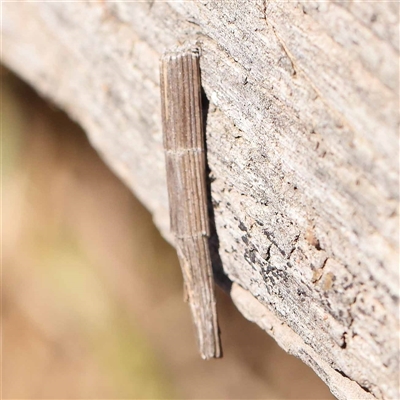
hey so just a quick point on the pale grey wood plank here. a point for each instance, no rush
(301, 143)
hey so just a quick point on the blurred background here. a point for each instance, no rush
(92, 303)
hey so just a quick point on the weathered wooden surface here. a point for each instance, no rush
(301, 144)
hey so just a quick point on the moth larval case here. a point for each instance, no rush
(182, 122)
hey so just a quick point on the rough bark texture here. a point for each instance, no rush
(301, 144)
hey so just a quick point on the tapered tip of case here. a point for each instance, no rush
(211, 356)
(211, 349)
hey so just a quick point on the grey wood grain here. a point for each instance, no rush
(301, 143)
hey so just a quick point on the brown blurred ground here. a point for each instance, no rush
(92, 295)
